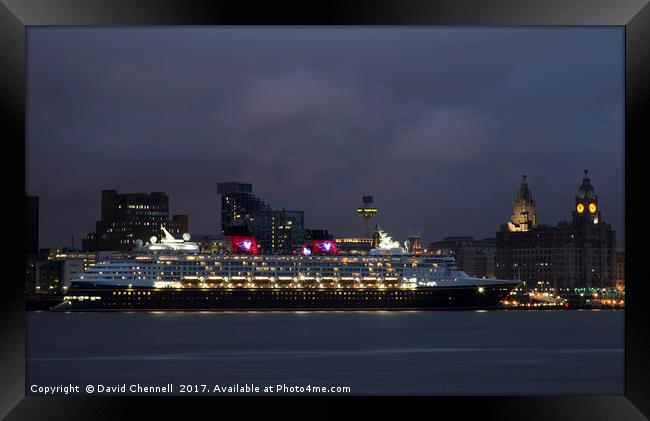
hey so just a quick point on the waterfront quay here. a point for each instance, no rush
(567, 299)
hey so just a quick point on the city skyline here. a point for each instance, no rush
(398, 114)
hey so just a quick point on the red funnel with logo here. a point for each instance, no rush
(243, 244)
(323, 247)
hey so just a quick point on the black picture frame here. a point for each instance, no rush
(17, 15)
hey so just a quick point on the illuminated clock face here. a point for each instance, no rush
(592, 208)
(580, 208)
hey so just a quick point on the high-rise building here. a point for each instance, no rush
(31, 224)
(31, 275)
(131, 216)
(288, 231)
(240, 206)
(524, 215)
(474, 257)
(276, 231)
(44, 276)
(569, 255)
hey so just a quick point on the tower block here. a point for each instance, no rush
(367, 210)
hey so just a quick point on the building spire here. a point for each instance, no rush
(524, 216)
(586, 171)
(586, 190)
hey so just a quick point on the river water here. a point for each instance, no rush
(418, 352)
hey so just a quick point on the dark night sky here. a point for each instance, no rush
(437, 123)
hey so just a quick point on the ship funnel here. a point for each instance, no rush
(242, 241)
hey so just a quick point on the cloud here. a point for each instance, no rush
(444, 134)
(431, 121)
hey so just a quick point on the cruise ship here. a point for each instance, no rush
(171, 274)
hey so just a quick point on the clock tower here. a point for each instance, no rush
(586, 209)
